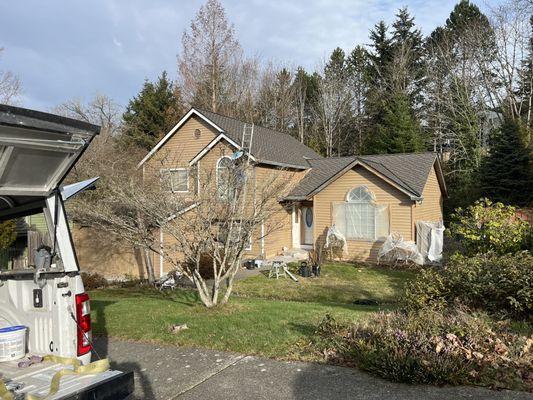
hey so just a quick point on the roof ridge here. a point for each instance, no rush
(398, 154)
(243, 122)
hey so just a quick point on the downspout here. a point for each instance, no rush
(263, 239)
(161, 252)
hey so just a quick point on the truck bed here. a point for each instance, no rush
(36, 380)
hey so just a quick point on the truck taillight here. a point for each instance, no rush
(83, 317)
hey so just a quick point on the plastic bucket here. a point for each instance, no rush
(12, 343)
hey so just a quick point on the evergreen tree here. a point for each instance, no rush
(381, 55)
(336, 67)
(152, 113)
(408, 58)
(507, 173)
(394, 91)
(400, 130)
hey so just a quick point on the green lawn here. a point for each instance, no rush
(338, 283)
(263, 317)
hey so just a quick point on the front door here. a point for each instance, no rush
(307, 225)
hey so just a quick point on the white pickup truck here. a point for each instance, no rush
(37, 151)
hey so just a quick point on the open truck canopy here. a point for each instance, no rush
(37, 151)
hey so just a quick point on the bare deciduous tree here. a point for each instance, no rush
(10, 86)
(210, 57)
(215, 223)
(330, 109)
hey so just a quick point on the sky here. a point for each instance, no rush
(76, 48)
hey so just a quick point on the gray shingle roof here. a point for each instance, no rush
(268, 146)
(409, 171)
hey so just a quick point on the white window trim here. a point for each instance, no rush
(250, 245)
(217, 172)
(177, 169)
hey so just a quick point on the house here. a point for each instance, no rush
(366, 197)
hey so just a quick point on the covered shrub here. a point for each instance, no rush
(486, 226)
(429, 347)
(495, 283)
(93, 281)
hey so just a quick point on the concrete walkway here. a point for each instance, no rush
(169, 372)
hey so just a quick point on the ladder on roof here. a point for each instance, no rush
(247, 139)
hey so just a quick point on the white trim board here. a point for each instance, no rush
(176, 127)
(212, 144)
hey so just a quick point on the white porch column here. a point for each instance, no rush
(296, 232)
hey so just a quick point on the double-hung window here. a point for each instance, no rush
(360, 217)
(177, 179)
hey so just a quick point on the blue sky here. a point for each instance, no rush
(75, 48)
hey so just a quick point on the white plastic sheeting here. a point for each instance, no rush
(335, 239)
(396, 249)
(362, 220)
(429, 239)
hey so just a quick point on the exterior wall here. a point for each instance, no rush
(98, 253)
(431, 207)
(182, 146)
(400, 207)
(278, 229)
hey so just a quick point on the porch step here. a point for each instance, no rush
(297, 254)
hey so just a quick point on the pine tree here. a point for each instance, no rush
(507, 174)
(152, 113)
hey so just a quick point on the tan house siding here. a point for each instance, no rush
(97, 252)
(399, 205)
(431, 207)
(279, 227)
(183, 145)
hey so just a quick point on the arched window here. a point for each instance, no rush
(224, 169)
(361, 194)
(360, 217)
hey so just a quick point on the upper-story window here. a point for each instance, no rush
(224, 169)
(177, 179)
(360, 217)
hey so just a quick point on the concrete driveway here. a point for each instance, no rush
(169, 372)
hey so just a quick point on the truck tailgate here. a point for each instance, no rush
(36, 380)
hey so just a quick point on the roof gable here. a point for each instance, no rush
(407, 172)
(268, 146)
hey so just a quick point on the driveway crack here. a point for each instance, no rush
(205, 379)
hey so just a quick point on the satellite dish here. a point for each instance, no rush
(237, 155)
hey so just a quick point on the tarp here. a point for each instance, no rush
(429, 239)
(396, 249)
(335, 239)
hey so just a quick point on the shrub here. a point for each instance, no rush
(488, 282)
(486, 226)
(93, 281)
(429, 347)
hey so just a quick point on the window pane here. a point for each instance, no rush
(179, 180)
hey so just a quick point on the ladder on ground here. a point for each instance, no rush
(247, 139)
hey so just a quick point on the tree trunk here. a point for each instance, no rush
(149, 266)
(229, 289)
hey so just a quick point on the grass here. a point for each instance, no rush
(251, 326)
(339, 283)
(264, 317)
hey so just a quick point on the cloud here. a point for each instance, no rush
(116, 42)
(63, 48)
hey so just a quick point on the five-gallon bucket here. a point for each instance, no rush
(12, 342)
